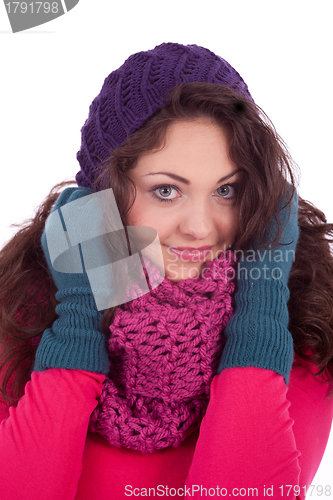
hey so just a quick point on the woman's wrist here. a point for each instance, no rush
(74, 340)
(257, 334)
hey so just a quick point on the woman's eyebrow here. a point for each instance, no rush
(186, 181)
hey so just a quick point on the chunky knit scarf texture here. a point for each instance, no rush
(164, 351)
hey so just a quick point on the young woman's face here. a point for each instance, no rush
(187, 192)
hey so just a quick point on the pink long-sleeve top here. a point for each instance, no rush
(257, 436)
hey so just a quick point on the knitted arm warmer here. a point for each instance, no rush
(257, 334)
(75, 339)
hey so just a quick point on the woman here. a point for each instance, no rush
(192, 394)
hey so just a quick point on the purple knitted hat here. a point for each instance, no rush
(135, 91)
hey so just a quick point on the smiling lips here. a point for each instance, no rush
(191, 254)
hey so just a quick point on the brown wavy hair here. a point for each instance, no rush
(27, 290)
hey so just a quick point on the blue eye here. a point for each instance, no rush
(167, 191)
(227, 191)
(162, 193)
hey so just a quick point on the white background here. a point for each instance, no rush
(51, 73)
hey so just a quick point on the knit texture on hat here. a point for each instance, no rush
(164, 351)
(135, 91)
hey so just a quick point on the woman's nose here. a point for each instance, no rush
(197, 222)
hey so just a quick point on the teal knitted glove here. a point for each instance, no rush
(257, 334)
(75, 339)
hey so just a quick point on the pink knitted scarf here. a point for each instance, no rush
(164, 351)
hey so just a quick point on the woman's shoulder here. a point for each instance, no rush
(305, 376)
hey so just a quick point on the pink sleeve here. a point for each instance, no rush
(43, 438)
(258, 434)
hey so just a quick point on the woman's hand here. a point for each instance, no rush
(75, 340)
(257, 334)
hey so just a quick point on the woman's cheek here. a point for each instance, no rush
(229, 227)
